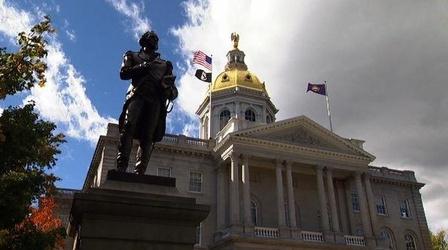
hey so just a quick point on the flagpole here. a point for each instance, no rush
(328, 105)
(210, 102)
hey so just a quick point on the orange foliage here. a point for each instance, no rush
(44, 217)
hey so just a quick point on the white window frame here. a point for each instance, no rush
(381, 208)
(410, 242)
(190, 183)
(405, 209)
(169, 171)
(355, 208)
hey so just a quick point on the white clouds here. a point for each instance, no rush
(71, 35)
(13, 20)
(191, 129)
(384, 62)
(134, 13)
(63, 99)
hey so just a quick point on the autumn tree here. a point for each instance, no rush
(28, 146)
(439, 240)
(41, 230)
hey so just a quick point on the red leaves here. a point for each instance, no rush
(44, 217)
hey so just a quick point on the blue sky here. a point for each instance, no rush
(93, 37)
(385, 64)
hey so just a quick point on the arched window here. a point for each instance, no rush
(268, 119)
(224, 117)
(387, 239)
(410, 242)
(254, 212)
(249, 115)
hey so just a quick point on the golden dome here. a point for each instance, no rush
(237, 78)
(236, 73)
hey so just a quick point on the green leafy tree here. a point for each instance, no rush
(28, 146)
(21, 70)
(439, 240)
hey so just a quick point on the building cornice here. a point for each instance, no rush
(393, 176)
(392, 181)
(231, 140)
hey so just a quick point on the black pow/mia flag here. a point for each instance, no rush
(203, 76)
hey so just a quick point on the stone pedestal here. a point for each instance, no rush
(339, 238)
(109, 218)
(329, 236)
(295, 233)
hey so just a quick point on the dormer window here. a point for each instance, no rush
(248, 77)
(225, 78)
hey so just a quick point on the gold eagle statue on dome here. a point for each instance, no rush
(235, 38)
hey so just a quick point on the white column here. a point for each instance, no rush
(371, 201)
(322, 199)
(332, 198)
(237, 109)
(246, 191)
(291, 200)
(363, 206)
(234, 190)
(280, 199)
(220, 198)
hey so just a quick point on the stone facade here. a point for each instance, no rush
(270, 194)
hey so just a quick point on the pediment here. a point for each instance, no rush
(304, 132)
(298, 136)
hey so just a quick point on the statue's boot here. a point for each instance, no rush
(140, 168)
(143, 156)
(122, 164)
(124, 150)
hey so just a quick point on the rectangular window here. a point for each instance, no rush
(404, 209)
(381, 206)
(195, 182)
(355, 202)
(166, 172)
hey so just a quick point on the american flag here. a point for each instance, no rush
(201, 58)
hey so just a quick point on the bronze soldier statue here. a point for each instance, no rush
(145, 109)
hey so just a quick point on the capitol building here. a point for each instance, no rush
(278, 184)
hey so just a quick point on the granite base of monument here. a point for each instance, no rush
(107, 218)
